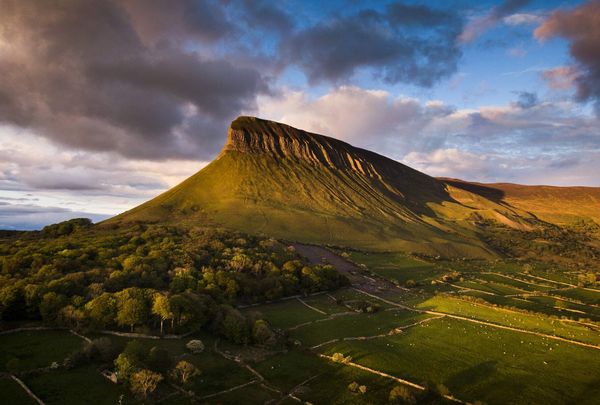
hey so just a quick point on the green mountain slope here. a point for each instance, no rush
(274, 179)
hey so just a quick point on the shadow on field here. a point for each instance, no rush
(471, 375)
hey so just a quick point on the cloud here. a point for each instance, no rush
(112, 76)
(404, 43)
(561, 78)
(581, 27)
(159, 21)
(78, 180)
(560, 170)
(451, 162)
(366, 118)
(527, 140)
(503, 12)
(34, 217)
(267, 15)
(526, 100)
(522, 19)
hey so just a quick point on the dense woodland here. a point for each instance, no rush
(150, 278)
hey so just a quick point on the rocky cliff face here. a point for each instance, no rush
(254, 135)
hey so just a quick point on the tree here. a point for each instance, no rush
(184, 371)
(51, 305)
(162, 308)
(132, 307)
(235, 327)
(262, 333)
(102, 310)
(125, 367)
(144, 382)
(70, 316)
(401, 395)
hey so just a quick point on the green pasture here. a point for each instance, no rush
(478, 362)
(36, 349)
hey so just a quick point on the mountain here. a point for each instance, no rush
(271, 178)
(557, 205)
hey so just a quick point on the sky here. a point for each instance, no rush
(105, 104)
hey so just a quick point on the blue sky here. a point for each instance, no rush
(105, 104)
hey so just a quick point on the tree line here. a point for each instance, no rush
(149, 277)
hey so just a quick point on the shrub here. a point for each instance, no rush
(401, 395)
(144, 382)
(195, 346)
(184, 371)
(125, 367)
(262, 333)
(339, 358)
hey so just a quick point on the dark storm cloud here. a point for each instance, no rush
(414, 44)
(112, 76)
(508, 7)
(581, 27)
(164, 20)
(267, 15)
(479, 25)
(526, 100)
(407, 15)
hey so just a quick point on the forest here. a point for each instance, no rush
(150, 278)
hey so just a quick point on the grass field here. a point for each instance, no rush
(13, 393)
(323, 302)
(531, 322)
(579, 294)
(355, 325)
(286, 313)
(78, 386)
(490, 286)
(396, 266)
(481, 363)
(36, 349)
(324, 382)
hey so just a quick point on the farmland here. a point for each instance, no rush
(462, 332)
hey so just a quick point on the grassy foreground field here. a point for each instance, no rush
(481, 363)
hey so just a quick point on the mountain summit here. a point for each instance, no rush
(274, 179)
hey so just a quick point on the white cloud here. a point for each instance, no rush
(523, 19)
(538, 141)
(72, 180)
(366, 118)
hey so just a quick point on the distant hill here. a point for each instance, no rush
(274, 179)
(558, 205)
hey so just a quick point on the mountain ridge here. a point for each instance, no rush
(274, 179)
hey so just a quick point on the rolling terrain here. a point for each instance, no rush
(309, 271)
(273, 179)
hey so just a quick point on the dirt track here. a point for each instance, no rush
(358, 277)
